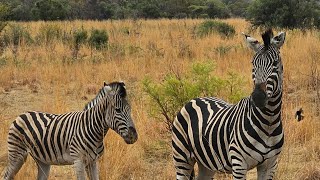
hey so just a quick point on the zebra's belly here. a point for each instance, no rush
(56, 159)
(212, 154)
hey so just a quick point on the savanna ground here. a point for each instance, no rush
(43, 76)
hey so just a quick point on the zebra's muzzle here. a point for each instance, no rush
(259, 95)
(132, 136)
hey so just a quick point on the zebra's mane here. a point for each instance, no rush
(96, 99)
(117, 86)
(266, 36)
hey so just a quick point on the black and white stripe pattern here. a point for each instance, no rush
(235, 138)
(70, 138)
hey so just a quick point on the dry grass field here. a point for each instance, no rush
(44, 77)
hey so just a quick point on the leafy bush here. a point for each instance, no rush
(79, 37)
(208, 27)
(98, 39)
(176, 90)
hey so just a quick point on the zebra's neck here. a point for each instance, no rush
(271, 113)
(96, 118)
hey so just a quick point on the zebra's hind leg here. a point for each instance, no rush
(204, 173)
(15, 162)
(92, 171)
(43, 171)
(184, 167)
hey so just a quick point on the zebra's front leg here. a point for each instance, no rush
(204, 173)
(267, 169)
(239, 169)
(80, 169)
(93, 171)
(43, 171)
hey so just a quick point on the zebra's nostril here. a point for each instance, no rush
(261, 87)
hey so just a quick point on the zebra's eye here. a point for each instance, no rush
(118, 110)
(275, 63)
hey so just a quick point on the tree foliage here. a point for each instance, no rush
(50, 10)
(285, 13)
(22, 10)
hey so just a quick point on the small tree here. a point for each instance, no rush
(176, 90)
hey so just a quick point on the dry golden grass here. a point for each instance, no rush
(44, 78)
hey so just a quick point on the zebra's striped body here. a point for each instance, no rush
(234, 138)
(70, 138)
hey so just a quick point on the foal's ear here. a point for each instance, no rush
(278, 40)
(252, 42)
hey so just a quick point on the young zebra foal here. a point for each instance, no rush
(235, 138)
(70, 138)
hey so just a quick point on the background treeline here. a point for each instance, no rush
(282, 13)
(25, 10)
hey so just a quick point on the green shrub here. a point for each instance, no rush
(176, 89)
(98, 39)
(79, 37)
(208, 27)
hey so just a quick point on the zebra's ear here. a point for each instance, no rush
(278, 40)
(105, 83)
(107, 88)
(252, 42)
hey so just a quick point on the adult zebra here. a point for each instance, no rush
(70, 138)
(235, 138)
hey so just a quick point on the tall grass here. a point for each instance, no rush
(42, 75)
